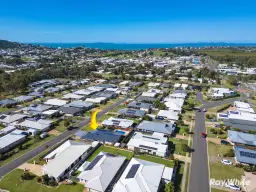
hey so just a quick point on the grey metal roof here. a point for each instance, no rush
(103, 135)
(80, 104)
(136, 104)
(80, 133)
(23, 98)
(145, 98)
(8, 102)
(102, 172)
(131, 112)
(166, 128)
(243, 138)
(37, 107)
(10, 138)
(70, 110)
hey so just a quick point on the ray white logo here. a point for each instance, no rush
(223, 183)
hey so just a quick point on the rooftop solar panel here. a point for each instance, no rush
(94, 162)
(2, 117)
(248, 154)
(132, 172)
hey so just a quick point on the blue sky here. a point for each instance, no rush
(133, 21)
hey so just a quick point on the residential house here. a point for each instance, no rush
(56, 102)
(243, 107)
(146, 99)
(72, 96)
(36, 108)
(63, 159)
(118, 123)
(71, 111)
(152, 84)
(7, 130)
(85, 105)
(104, 136)
(23, 98)
(41, 125)
(128, 112)
(10, 141)
(240, 120)
(149, 94)
(8, 103)
(85, 92)
(217, 93)
(155, 144)
(100, 174)
(7, 119)
(151, 127)
(96, 100)
(141, 176)
(140, 105)
(168, 115)
(244, 146)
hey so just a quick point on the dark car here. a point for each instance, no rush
(203, 134)
(224, 142)
(71, 128)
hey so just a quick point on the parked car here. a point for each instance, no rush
(203, 134)
(71, 128)
(233, 186)
(224, 142)
(226, 162)
(204, 110)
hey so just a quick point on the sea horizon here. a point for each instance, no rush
(141, 46)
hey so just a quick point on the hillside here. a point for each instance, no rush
(8, 44)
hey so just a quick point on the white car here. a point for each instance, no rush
(233, 186)
(226, 162)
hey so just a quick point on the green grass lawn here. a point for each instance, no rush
(215, 150)
(177, 145)
(12, 183)
(4, 109)
(221, 136)
(112, 150)
(61, 127)
(32, 144)
(168, 163)
(223, 172)
(118, 108)
(181, 129)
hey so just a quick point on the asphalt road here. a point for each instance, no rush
(34, 152)
(199, 175)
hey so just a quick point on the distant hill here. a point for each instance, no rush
(8, 44)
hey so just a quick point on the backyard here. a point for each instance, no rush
(13, 183)
(177, 145)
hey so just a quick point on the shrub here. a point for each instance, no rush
(213, 131)
(185, 147)
(39, 179)
(230, 153)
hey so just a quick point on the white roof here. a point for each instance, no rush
(168, 114)
(156, 141)
(55, 102)
(11, 118)
(7, 129)
(221, 90)
(177, 85)
(168, 172)
(96, 99)
(178, 95)
(173, 106)
(149, 94)
(72, 96)
(65, 158)
(124, 123)
(178, 101)
(155, 91)
(9, 139)
(146, 179)
(50, 112)
(95, 88)
(242, 106)
(84, 92)
(99, 176)
(241, 115)
(151, 84)
(39, 125)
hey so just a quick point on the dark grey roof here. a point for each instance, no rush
(166, 128)
(107, 86)
(131, 112)
(145, 98)
(36, 94)
(8, 102)
(136, 104)
(103, 135)
(107, 94)
(243, 138)
(180, 91)
(166, 85)
(80, 104)
(70, 110)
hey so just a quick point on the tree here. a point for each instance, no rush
(66, 122)
(45, 179)
(213, 131)
(185, 147)
(39, 179)
(169, 187)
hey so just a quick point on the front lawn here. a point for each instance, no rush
(177, 143)
(224, 172)
(167, 163)
(4, 109)
(182, 129)
(220, 133)
(216, 149)
(216, 190)
(13, 183)
(112, 150)
(28, 146)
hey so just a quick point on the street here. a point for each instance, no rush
(29, 155)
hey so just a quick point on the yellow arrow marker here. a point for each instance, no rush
(93, 123)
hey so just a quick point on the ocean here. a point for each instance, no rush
(124, 46)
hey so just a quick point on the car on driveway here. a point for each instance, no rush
(233, 186)
(226, 162)
(224, 142)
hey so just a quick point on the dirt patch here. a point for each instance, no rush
(35, 169)
(214, 140)
(54, 132)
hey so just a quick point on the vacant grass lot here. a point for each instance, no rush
(177, 143)
(13, 183)
(221, 136)
(215, 150)
(223, 172)
(168, 163)
(112, 150)
(223, 52)
(216, 190)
